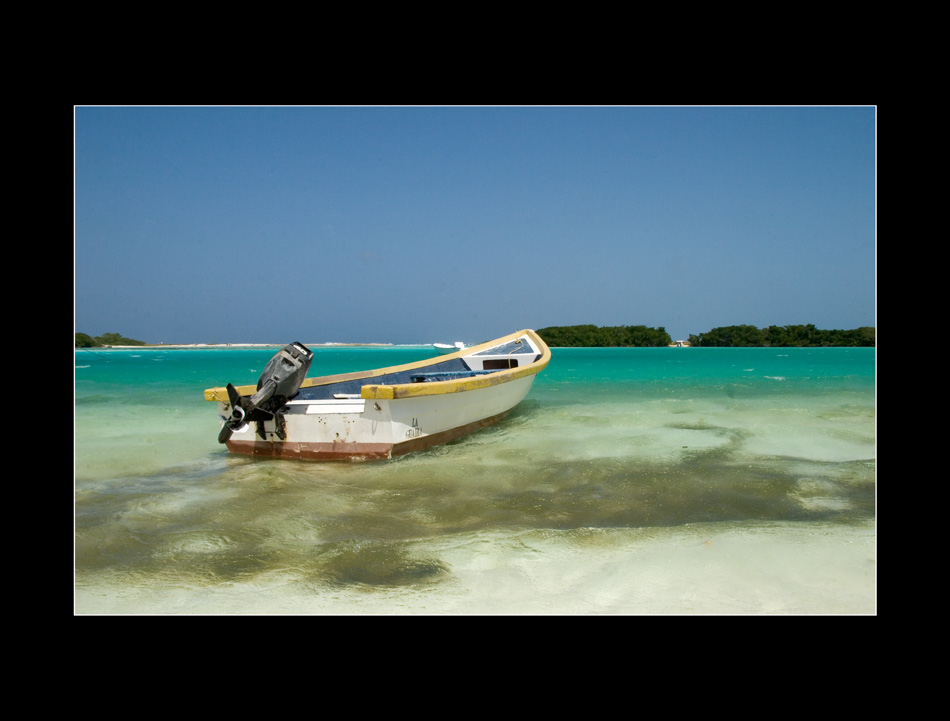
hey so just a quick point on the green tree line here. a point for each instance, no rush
(592, 336)
(784, 336)
(620, 336)
(84, 340)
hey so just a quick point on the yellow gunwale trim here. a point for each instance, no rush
(414, 390)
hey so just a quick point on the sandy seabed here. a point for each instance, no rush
(701, 569)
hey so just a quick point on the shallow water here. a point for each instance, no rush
(630, 481)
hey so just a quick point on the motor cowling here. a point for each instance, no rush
(280, 381)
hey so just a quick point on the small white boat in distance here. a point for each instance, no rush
(378, 413)
(680, 344)
(444, 348)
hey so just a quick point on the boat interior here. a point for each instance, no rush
(513, 354)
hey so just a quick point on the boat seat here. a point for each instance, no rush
(444, 376)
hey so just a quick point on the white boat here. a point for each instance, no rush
(379, 413)
(445, 348)
(680, 344)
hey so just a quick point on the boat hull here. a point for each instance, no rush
(386, 421)
(383, 428)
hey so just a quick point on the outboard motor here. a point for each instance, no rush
(279, 382)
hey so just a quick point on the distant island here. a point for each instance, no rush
(84, 340)
(732, 336)
(591, 336)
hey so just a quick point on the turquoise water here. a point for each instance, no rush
(630, 481)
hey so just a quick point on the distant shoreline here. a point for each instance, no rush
(218, 346)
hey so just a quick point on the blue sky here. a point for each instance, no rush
(436, 224)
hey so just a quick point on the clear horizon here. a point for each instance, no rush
(415, 225)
